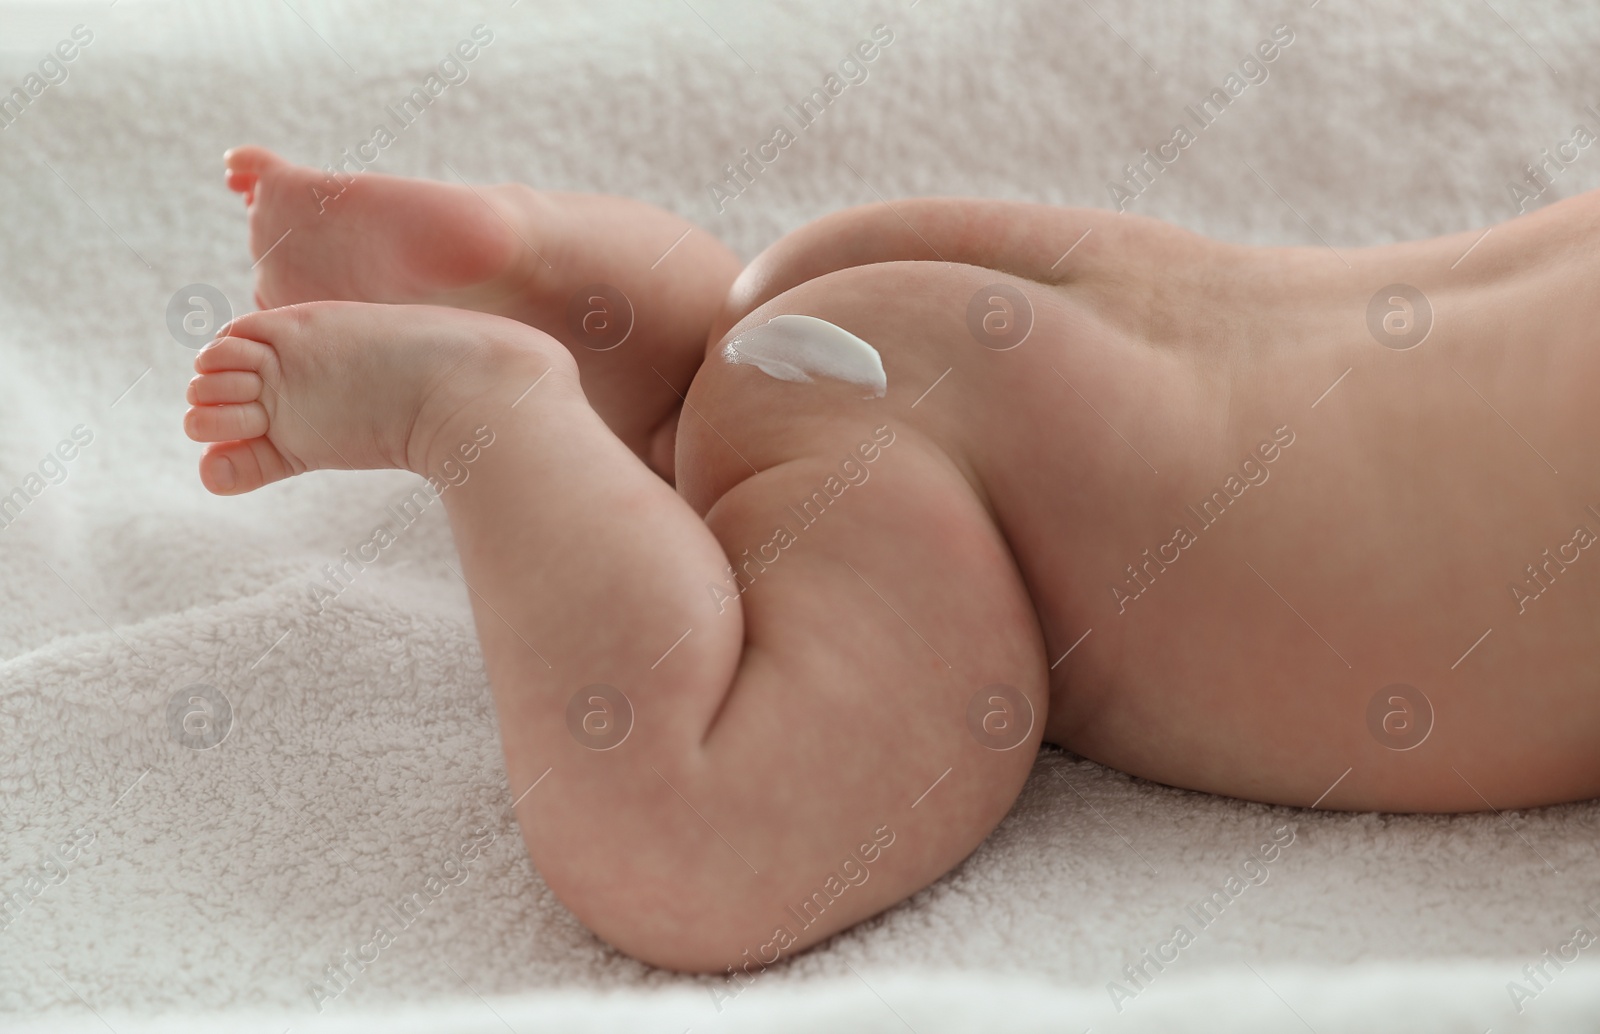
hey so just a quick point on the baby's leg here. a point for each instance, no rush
(1047, 243)
(783, 770)
(629, 288)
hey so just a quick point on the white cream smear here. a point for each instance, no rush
(793, 348)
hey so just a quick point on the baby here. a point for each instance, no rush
(782, 573)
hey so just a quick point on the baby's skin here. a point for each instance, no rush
(1297, 525)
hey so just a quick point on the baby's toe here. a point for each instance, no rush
(246, 165)
(214, 389)
(235, 467)
(226, 423)
(233, 353)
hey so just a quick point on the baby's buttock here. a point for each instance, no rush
(1289, 584)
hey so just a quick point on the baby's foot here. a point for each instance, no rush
(376, 238)
(352, 386)
(539, 258)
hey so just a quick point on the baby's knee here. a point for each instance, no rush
(686, 932)
(662, 891)
(696, 904)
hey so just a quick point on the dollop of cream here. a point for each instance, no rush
(796, 348)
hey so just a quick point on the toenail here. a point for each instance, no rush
(227, 475)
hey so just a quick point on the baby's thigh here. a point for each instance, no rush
(890, 695)
(1044, 243)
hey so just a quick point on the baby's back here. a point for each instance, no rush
(1307, 534)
